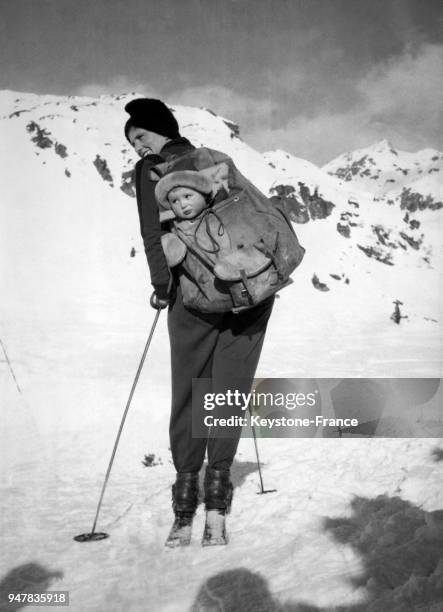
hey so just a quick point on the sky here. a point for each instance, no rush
(313, 77)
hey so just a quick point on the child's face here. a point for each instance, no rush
(186, 203)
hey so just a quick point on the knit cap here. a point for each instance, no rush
(183, 178)
(152, 115)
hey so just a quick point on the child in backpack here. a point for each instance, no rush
(185, 193)
(229, 244)
(186, 197)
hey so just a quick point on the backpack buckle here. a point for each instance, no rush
(245, 293)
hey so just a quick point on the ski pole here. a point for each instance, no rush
(10, 367)
(262, 491)
(93, 535)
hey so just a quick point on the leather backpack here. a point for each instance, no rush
(239, 251)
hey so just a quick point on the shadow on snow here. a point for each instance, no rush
(26, 578)
(401, 550)
(437, 454)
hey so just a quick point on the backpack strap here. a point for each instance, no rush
(273, 255)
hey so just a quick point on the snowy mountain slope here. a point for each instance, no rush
(386, 216)
(362, 518)
(355, 223)
(392, 174)
(399, 213)
(78, 143)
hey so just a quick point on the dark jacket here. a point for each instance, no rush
(150, 227)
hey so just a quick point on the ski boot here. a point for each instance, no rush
(218, 498)
(184, 504)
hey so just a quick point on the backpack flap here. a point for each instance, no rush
(241, 263)
(241, 270)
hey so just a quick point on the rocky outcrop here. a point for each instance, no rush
(415, 244)
(358, 167)
(318, 284)
(41, 137)
(233, 127)
(303, 207)
(286, 196)
(318, 207)
(413, 201)
(344, 230)
(101, 165)
(128, 183)
(61, 150)
(376, 253)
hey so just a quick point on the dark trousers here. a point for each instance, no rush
(223, 347)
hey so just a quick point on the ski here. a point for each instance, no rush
(215, 529)
(181, 531)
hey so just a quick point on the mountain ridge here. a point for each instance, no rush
(388, 172)
(78, 182)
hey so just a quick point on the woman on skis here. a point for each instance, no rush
(219, 346)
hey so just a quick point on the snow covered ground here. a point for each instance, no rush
(355, 524)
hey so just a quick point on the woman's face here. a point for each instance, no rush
(146, 142)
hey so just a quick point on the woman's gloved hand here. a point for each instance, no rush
(158, 303)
